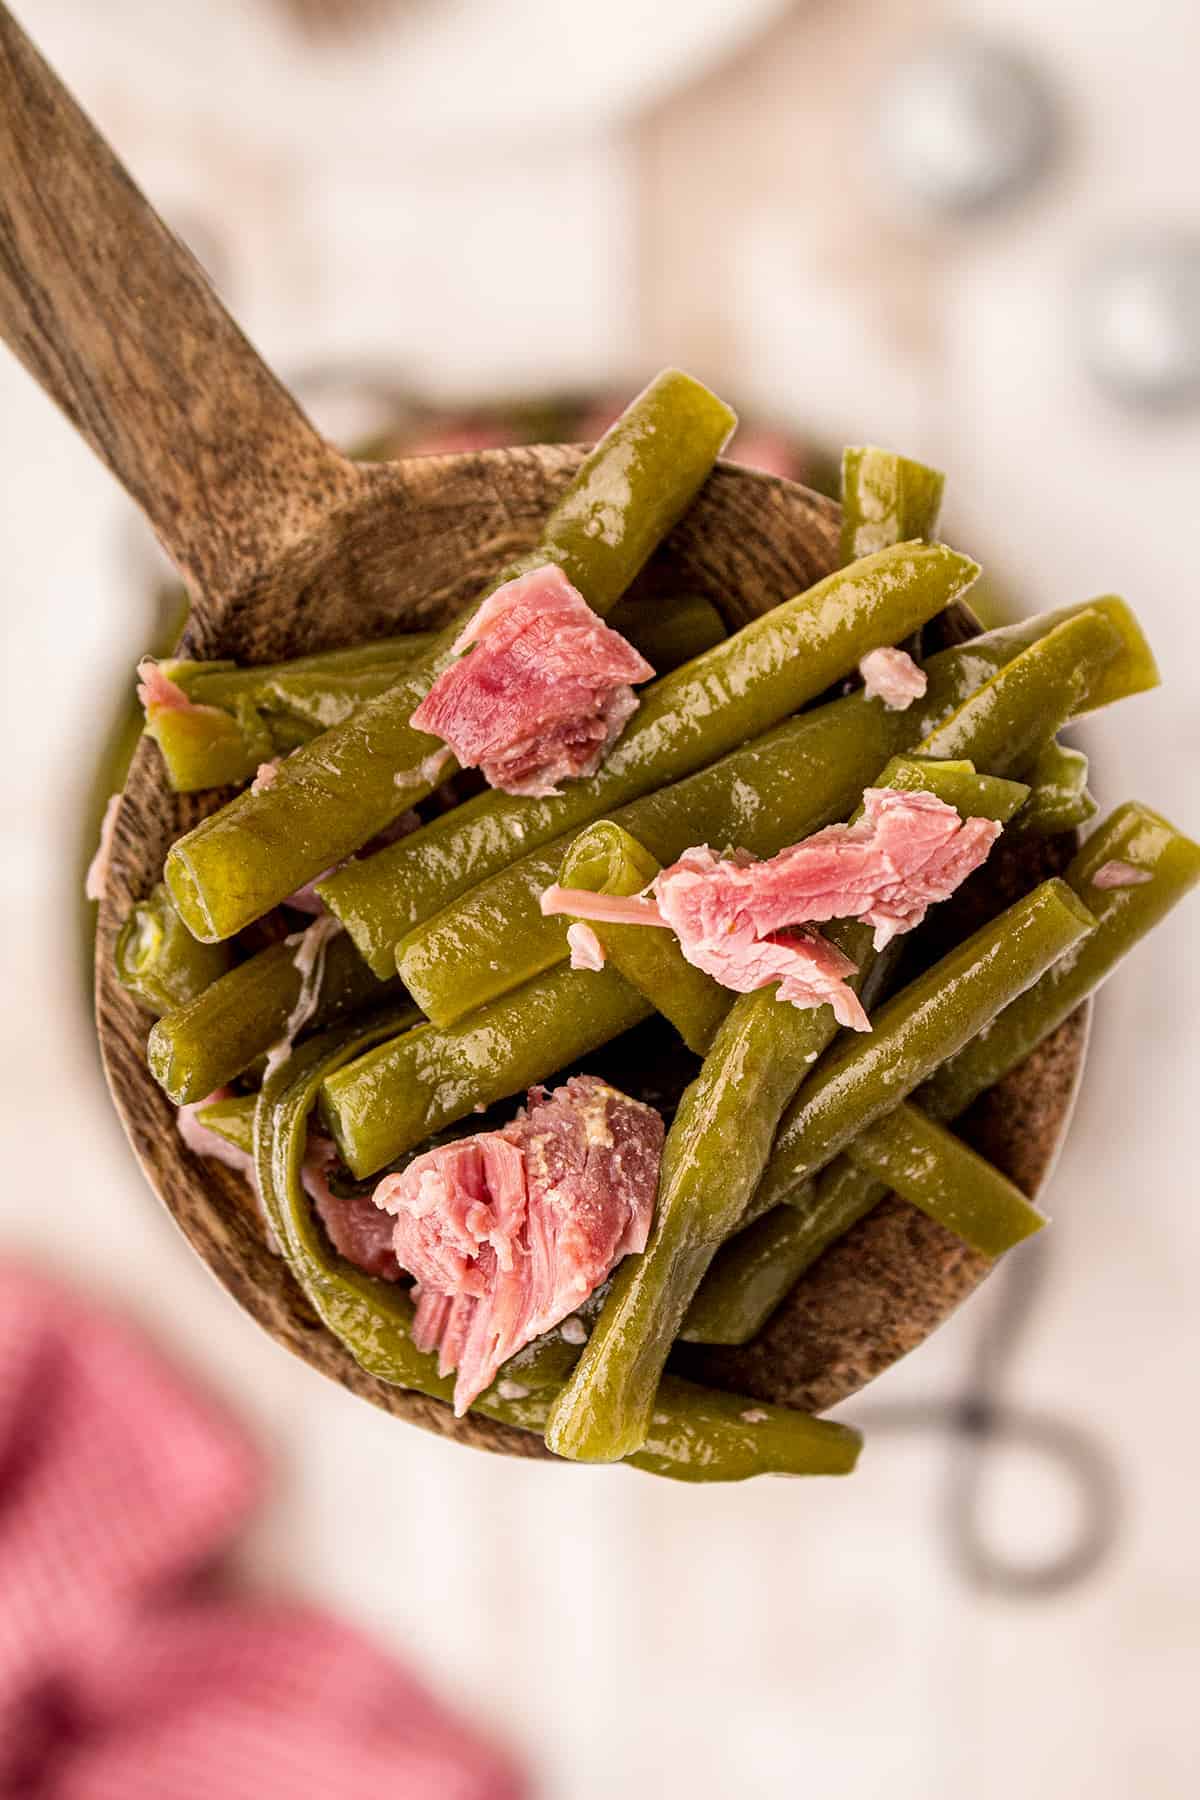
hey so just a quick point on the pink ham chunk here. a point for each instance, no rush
(907, 851)
(587, 952)
(540, 690)
(508, 1232)
(354, 1226)
(744, 922)
(893, 677)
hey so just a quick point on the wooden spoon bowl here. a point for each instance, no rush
(288, 547)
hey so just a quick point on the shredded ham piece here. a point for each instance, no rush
(587, 952)
(545, 689)
(605, 909)
(264, 776)
(742, 921)
(1117, 874)
(97, 869)
(158, 693)
(508, 1232)
(355, 1226)
(892, 676)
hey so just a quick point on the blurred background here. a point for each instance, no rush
(969, 232)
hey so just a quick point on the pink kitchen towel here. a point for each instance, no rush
(128, 1670)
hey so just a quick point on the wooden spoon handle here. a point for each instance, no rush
(119, 324)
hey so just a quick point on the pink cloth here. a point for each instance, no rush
(127, 1672)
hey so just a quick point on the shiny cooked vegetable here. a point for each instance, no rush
(231, 1119)
(920, 1028)
(497, 931)
(202, 1045)
(1060, 800)
(333, 795)
(695, 1434)
(276, 707)
(758, 1268)
(736, 691)
(720, 1145)
(245, 717)
(886, 499)
(714, 1155)
(159, 961)
(395, 1096)
(806, 773)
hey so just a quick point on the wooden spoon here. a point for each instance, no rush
(288, 547)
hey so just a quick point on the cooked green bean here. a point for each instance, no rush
(926, 1164)
(331, 796)
(497, 930)
(886, 499)
(715, 1153)
(159, 961)
(1133, 834)
(1060, 800)
(731, 694)
(200, 1046)
(695, 1434)
(917, 1030)
(719, 1145)
(758, 1268)
(381, 1105)
(231, 1119)
(1003, 725)
(669, 629)
(973, 796)
(604, 859)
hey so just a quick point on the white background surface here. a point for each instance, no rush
(626, 1632)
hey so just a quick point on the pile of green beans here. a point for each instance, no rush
(248, 716)
(694, 1434)
(435, 987)
(329, 798)
(735, 692)
(757, 1269)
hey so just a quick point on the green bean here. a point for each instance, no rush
(715, 1153)
(1003, 725)
(497, 930)
(604, 859)
(202, 1045)
(920, 1028)
(231, 1119)
(973, 796)
(696, 1434)
(159, 961)
(759, 1267)
(1132, 834)
(398, 1095)
(669, 629)
(1060, 800)
(927, 1165)
(731, 694)
(886, 499)
(331, 796)
(805, 774)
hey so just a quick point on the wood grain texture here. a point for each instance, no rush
(750, 541)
